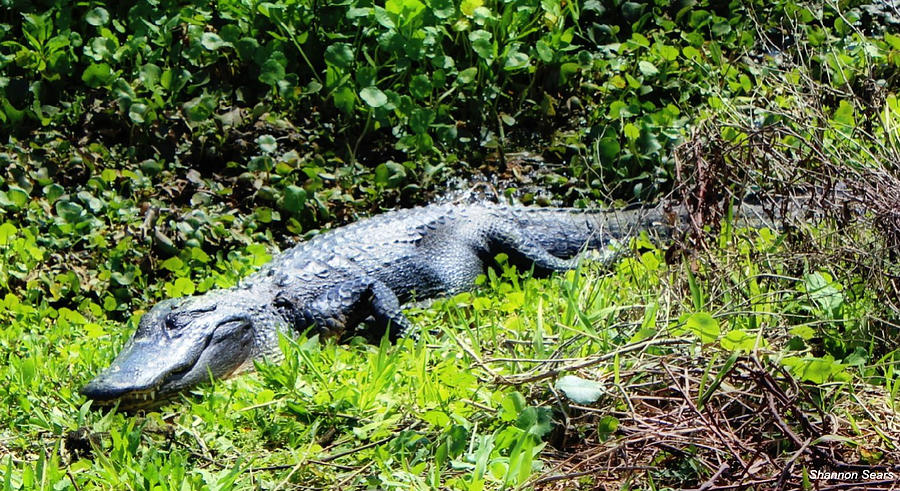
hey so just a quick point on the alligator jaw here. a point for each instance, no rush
(155, 366)
(106, 393)
(132, 384)
(133, 400)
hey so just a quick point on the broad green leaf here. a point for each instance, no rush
(595, 5)
(858, 358)
(632, 10)
(101, 49)
(515, 61)
(566, 70)
(69, 211)
(246, 47)
(580, 390)
(7, 232)
(608, 149)
(263, 213)
(344, 99)
(357, 12)
(844, 114)
(263, 163)
(606, 427)
(17, 196)
(231, 33)
(339, 55)
(640, 40)
(535, 421)
(373, 96)
(647, 68)
(691, 52)
(9, 113)
(390, 174)
(180, 288)
(481, 43)
(384, 18)
(544, 51)
(198, 254)
(632, 132)
(699, 17)
(443, 9)
(812, 369)
(151, 167)
(803, 331)
(669, 53)
(424, 142)
(482, 15)
(739, 340)
(94, 330)
(405, 9)
(467, 7)
(824, 291)
(212, 41)
(511, 405)
(123, 279)
(704, 326)
(619, 109)
(173, 264)
(420, 87)
(893, 40)
(97, 16)
(720, 28)
(468, 75)
(149, 75)
(267, 143)
(136, 112)
(585, 59)
(200, 108)
(271, 72)
(97, 75)
(294, 199)
(420, 120)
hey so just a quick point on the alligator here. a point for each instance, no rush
(352, 278)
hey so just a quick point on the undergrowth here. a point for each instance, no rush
(514, 385)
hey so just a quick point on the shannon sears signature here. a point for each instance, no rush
(852, 475)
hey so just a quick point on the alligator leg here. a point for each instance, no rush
(524, 251)
(387, 314)
(345, 305)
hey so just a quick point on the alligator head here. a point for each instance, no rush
(181, 343)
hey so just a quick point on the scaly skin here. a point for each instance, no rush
(362, 272)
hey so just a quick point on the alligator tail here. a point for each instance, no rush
(566, 232)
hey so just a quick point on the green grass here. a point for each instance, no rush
(475, 403)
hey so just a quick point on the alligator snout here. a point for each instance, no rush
(101, 391)
(133, 378)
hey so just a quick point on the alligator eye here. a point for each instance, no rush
(171, 322)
